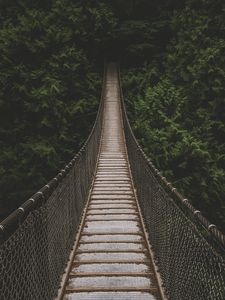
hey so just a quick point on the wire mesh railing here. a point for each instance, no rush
(188, 250)
(37, 238)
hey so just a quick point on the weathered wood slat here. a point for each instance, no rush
(112, 253)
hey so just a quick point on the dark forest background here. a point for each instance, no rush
(173, 72)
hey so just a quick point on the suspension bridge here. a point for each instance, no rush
(110, 226)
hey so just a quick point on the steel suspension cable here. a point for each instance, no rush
(189, 250)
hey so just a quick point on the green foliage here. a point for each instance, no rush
(176, 104)
(50, 88)
(173, 57)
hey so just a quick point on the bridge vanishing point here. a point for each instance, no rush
(110, 226)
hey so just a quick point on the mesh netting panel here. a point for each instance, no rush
(190, 266)
(33, 258)
(24, 260)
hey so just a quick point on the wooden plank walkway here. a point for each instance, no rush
(112, 258)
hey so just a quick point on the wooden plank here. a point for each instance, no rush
(115, 241)
(113, 233)
(111, 213)
(101, 220)
(110, 289)
(118, 261)
(108, 274)
(112, 251)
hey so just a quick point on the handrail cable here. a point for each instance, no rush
(18, 216)
(211, 228)
(188, 250)
(36, 239)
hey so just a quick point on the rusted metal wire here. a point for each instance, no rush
(36, 239)
(189, 250)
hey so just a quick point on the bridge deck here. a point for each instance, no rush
(112, 258)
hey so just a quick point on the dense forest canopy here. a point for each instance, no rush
(173, 71)
(50, 88)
